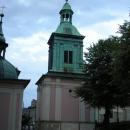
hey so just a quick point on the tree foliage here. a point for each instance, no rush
(107, 72)
(26, 120)
(98, 89)
(121, 71)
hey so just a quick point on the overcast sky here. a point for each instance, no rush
(28, 25)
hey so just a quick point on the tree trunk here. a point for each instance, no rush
(106, 121)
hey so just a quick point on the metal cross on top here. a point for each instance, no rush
(66, 1)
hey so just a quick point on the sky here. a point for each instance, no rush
(28, 24)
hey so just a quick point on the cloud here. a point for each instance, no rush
(29, 51)
(25, 2)
(101, 30)
(87, 14)
(30, 55)
(28, 25)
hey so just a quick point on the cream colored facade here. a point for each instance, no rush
(57, 106)
(11, 98)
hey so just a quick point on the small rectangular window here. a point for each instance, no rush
(68, 57)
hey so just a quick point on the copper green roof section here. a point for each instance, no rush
(7, 70)
(66, 6)
(67, 28)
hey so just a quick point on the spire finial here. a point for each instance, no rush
(3, 45)
(1, 13)
(66, 1)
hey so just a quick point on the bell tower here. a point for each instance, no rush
(66, 45)
(57, 107)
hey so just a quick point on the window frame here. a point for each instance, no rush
(68, 57)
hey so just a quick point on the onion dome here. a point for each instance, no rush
(7, 70)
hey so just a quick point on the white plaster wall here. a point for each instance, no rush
(20, 109)
(58, 101)
(45, 102)
(15, 111)
(92, 115)
(81, 111)
(38, 104)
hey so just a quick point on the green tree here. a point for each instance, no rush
(107, 73)
(98, 90)
(26, 121)
(121, 71)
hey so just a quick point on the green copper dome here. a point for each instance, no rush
(67, 28)
(66, 6)
(7, 70)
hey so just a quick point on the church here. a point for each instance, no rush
(57, 106)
